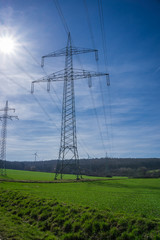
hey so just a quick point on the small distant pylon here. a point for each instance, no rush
(4, 119)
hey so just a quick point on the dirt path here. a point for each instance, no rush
(58, 181)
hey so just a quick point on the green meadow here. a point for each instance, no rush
(38, 176)
(125, 199)
(121, 195)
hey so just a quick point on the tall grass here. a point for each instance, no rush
(51, 219)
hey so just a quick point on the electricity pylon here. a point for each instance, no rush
(68, 153)
(4, 119)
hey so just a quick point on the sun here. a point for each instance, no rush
(7, 45)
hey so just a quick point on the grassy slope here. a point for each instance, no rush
(13, 227)
(50, 219)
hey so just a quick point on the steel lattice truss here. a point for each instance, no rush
(4, 119)
(68, 153)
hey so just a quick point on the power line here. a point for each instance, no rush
(29, 53)
(34, 97)
(110, 112)
(61, 16)
(101, 17)
(22, 69)
(100, 85)
(67, 31)
(64, 23)
(95, 111)
(32, 78)
(38, 64)
(92, 98)
(12, 80)
(89, 24)
(100, 8)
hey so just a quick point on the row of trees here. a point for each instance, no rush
(131, 167)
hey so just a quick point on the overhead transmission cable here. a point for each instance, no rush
(34, 97)
(92, 98)
(61, 16)
(101, 17)
(52, 99)
(22, 69)
(38, 64)
(89, 24)
(100, 84)
(95, 110)
(35, 60)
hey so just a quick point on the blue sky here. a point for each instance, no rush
(130, 126)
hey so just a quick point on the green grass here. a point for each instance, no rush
(129, 196)
(27, 217)
(12, 227)
(37, 176)
(117, 208)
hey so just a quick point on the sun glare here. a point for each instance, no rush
(7, 45)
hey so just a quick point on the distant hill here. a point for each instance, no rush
(148, 167)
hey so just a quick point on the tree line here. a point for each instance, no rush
(130, 167)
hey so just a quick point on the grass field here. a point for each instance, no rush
(113, 209)
(37, 176)
(129, 196)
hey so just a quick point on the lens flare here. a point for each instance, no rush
(7, 45)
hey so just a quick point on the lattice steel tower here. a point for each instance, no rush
(4, 119)
(68, 153)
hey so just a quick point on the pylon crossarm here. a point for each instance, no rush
(9, 117)
(60, 75)
(77, 50)
(58, 53)
(16, 117)
(8, 109)
(57, 76)
(73, 51)
(79, 74)
(4, 116)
